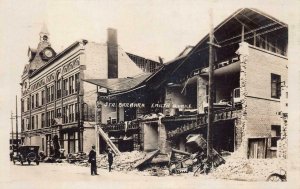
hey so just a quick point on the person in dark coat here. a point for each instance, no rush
(110, 159)
(92, 160)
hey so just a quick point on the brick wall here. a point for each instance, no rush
(262, 110)
(88, 138)
(259, 110)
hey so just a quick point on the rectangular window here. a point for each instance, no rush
(58, 112)
(52, 117)
(32, 101)
(32, 122)
(43, 97)
(58, 89)
(22, 105)
(27, 124)
(37, 99)
(275, 86)
(28, 103)
(67, 114)
(65, 87)
(71, 85)
(63, 114)
(52, 93)
(76, 112)
(71, 113)
(48, 119)
(48, 94)
(43, 120)
(22, 125)
(275, 135)
(37, 121)
(77, 82)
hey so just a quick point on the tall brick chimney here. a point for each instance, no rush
(112, 53)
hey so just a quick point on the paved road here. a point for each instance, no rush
(64, 175)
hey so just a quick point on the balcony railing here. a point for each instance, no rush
(120, 126)
(200, 121)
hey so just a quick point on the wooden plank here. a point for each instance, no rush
(108, 141)
(147, 158)
(181, 152)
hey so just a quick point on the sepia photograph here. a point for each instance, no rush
(149, 94)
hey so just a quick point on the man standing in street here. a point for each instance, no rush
(92, 160)
(110, 159)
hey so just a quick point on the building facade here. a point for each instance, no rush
(57, 107)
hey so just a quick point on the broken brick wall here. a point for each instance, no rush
(259, 109)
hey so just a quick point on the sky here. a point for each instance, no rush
(146, 28)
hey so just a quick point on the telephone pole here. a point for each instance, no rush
(12, 131)
(17, 132)
(210, 88)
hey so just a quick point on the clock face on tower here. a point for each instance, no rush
(48, 53)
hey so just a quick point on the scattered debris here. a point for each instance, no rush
(249, 169)
(80, 156)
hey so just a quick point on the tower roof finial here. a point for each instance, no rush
(44, 29)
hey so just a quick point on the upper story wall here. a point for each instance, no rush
(260, 65)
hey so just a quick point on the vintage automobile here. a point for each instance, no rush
(278, 175)
(27, 154)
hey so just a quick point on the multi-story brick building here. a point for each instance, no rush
(57, 107)
(249, 71)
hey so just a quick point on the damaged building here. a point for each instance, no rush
(57, 108)
(168, 108)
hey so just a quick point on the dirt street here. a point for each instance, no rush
(65, 175)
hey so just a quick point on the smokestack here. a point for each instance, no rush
(112, 53)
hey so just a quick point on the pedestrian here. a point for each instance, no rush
(110, 159)
(92, 160)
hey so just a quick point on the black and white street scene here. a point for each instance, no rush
(146, 94)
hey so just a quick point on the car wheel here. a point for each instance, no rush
(275, 178)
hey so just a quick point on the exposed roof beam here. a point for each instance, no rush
(254, 30)
(257, 34)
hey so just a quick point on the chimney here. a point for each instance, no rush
(112, 53)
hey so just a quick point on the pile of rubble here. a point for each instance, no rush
(124, 162)
(237, 168)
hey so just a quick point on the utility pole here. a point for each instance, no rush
(12, 131)
(17, 132)
(210, 89)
